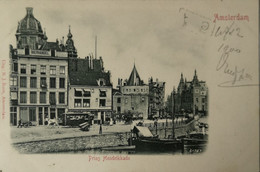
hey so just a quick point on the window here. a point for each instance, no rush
(197, 99)
(43, 82)
(13, 81)
(203, 100)
(118, 109)
(32, 42)
(52, 98)
(15, 67)
(23, 97)
(52, 70)
(61, 111)
(46, 112)
(142, 99)
(52, 113)
(86, 102)
(52, 82)
(62, 82)
(77, 103)
(23, 68)
(102, 102)
(43, 69)
(23, 82)
(33, 82)
(78, 93)
(13, 113)
(33, 97)
(62, 69)
(61, 98)
(118, 100)
(134, 90)
(33, 69)
(42, 97)
(24, 40)
(102, 93)
(86, 93)
(32, 114)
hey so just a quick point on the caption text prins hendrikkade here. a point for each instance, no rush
(108, 158)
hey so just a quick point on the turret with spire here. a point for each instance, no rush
(70, 48)
(181, 84)
(195, 78)
(134, 78)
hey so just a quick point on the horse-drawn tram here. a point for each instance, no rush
(73, 119)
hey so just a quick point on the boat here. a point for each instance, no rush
(194, 142)
(145, 141)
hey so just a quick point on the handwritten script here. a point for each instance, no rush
(223, 33)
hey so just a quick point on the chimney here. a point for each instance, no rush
(29, 10)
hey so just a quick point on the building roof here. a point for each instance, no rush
(50, 46)
(29, 24)
(88, 72)
(134, 78)
(142, 131)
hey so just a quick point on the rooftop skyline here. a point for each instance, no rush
(152, 38)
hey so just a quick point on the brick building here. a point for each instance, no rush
(132, 96)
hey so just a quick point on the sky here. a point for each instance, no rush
(151, 35)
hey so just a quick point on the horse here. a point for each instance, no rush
(52, 122)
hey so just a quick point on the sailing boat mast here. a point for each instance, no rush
(173, 112)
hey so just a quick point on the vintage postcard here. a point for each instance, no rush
(129, 85)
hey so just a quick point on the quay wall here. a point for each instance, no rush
(95, 141)
(73, 143)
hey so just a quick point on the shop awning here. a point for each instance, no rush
(77, 89)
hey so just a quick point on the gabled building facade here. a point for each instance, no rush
(90, 89)
(191, 96)
(132, 96)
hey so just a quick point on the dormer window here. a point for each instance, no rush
(86, 93)
(102, 93)
(78, 93)
(101, 82)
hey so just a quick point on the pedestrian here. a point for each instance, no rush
(19, 123)
(100, 129)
